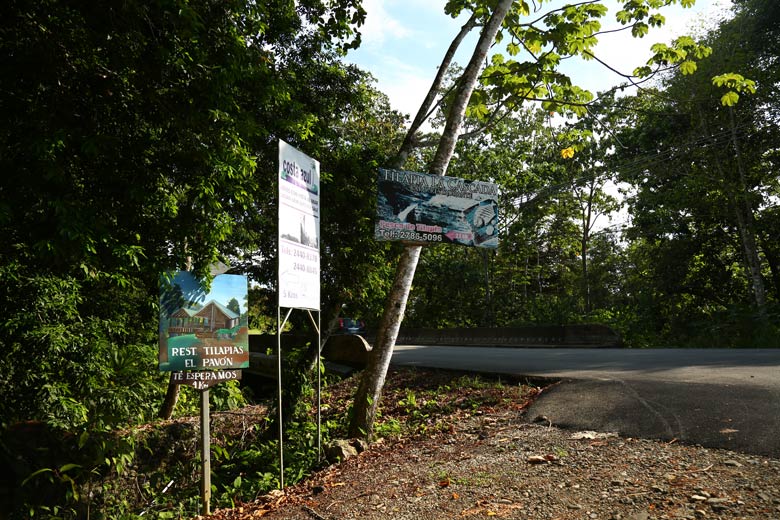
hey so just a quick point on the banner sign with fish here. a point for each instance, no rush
(429, 209)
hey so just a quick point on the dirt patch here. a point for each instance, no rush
(464, 449)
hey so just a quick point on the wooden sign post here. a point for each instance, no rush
(205, 452)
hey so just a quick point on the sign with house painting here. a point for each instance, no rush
(299, 229)
(433, 209)
(203, 329)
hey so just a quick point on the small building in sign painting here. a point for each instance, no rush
(211, 320)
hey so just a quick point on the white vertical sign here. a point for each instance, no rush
(299, 229)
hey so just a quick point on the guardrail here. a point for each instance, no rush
(544, 336)
(341, 355)
(344, 351)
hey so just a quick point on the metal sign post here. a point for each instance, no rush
(280, 327)
(282, 323)
(319, 381)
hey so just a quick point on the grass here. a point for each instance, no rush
(415, 402)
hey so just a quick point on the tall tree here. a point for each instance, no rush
(131, 137)
(704, 177)
(369, 391)
(506, 83)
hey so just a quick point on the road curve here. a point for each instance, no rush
(721, 398)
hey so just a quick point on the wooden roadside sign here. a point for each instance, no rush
(203, 379)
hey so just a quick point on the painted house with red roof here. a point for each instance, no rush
(203, 322)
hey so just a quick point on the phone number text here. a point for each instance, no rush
(414, 236)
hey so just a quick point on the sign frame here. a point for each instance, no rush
(198, 329)
(298, 241)
(299, 229)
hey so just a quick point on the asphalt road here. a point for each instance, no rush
(719, 398)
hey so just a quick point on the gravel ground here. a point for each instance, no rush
(494, 463)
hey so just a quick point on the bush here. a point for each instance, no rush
(67, 367)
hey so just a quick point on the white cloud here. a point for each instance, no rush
(403, 43)
(406, 89)
(404, 83)
(380, 25)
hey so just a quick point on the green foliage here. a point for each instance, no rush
(57, 471)
(137, 138)
(698, 268)
(416, 407)
(132, 134)
(682, 263)
(528, 68)
(355, 131)
(536, 275)
(62, 365)
(154, 469)
(737, 83)
(227, 396)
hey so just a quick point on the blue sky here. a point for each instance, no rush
(224, 288)
(404, 41)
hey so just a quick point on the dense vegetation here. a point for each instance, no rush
(141, 137)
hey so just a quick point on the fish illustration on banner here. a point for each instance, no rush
(427, 209)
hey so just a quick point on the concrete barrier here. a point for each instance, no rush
(567, 336)
(262, 342)
(348, 349)
(341, 353)
(352, 350)
(263, 365)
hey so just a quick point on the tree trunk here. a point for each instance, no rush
(172, 394)
(773, 260)
(370, 389)
(750, 250)
(468, 81)
(426, 107)
(747, 233)
(737, 196)
(587, 225)
(487, 317)
(169, 403)
(527, 278)
(585, 281)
